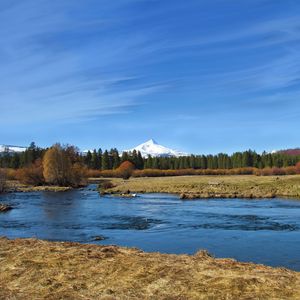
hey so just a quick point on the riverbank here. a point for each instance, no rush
(14, 186)
(31, 269)
(190, 187)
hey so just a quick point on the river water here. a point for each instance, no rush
(262, 231)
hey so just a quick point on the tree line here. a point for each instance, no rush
(244, 159)
(111, 160)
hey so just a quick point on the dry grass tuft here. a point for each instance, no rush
(35, 269)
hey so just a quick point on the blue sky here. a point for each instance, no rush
(201, 76)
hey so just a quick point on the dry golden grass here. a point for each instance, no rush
(16, 186)
(35, 269)
(241, 186)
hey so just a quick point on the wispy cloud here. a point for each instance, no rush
(49, 73)
(154, 65)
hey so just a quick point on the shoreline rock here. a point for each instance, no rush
(99, 238)
(5, 207)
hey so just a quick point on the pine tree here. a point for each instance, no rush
(15, 161)
(100, 158)
(88, 159)
(140, 161)
(149, 162)
(116, 158)
(125, 156)
(95, 160)
(105, 160)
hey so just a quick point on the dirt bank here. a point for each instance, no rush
(34, 269)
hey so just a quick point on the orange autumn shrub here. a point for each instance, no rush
(11, 174)
(32, 175)
(91, 173)
(297, 167)
(108, 173)
(290, 170)
(125, 170)
(79, 175)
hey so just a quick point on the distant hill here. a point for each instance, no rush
(295, 151)
(12, 149)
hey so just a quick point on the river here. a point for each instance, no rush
(262, 231)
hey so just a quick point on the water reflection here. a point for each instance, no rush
(59, 208)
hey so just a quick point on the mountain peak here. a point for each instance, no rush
(152, 148)
(151, 141)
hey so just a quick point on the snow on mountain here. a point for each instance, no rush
(12, 149)
(152, 148)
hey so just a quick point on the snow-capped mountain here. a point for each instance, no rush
(12, 149)
(152, 148)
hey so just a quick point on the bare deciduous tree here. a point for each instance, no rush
(59, 169)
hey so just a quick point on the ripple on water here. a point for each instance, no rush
(14, 225)
(131, 223)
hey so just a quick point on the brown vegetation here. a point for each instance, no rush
(125, 170)
(297, 167)
(106, 184)
(292, 170)
(34, 269)
(2, 181)
(17, 186)
(31, 175)
(61, 168)
(57, 166)
(11, 174)
(247, 186)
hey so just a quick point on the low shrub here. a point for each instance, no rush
(90, 173)
(125, 170)
(108, 173)
(297, 167)
(106, 185)
(78, 175)
(11, 174)
(292, 170)
(32, 175)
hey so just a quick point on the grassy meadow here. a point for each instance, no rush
(236, 186)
